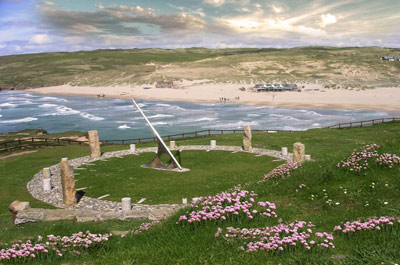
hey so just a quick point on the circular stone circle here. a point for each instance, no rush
(54, 196)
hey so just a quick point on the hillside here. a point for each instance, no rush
(334, 67)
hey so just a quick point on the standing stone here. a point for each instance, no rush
(68, 182)
(94, 144)
(172, 144)
(307, 157)
(247, 138)
(132, 148)
(298, 153)
(213, 144)
(46, 172)
(126, 204)
(46, 184)
(16, 207)
(284, 151)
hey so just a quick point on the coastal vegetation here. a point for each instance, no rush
(350, 67)
(332, 214)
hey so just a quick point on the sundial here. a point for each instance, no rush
(156, 163)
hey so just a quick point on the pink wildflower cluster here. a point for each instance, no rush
(144, 227)
(225, 204)
(388, 160)
(358, 161)
(55, 244)
(282, 171)
(278, 237)
(373, 223)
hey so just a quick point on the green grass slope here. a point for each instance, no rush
(349, 67)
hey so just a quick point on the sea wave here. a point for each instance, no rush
(159, 123)
(91, 116)
(125, 126)
(54, 99)
(48, 105)
(206, 119)
(233, 125)
(27, 119)
(163, 105)
(60, 110)
(253, 115)
(8, 104)
(160, 116)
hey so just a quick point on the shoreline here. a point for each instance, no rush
(384, 99)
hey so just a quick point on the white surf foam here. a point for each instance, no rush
(160, 116)
(253, 115)
(27, 119)
(159, 123)
(234, 125)
(53, 98)
(7, 104)
(1, 115)
(163, 105)
(125, 126)
(48, 105)
(60, 110)
(206, 119)
(316, 124)
(91, 116)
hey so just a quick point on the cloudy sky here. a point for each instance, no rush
(31, 26)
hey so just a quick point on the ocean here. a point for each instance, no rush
(118, 119)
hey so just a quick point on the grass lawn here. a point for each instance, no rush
(329, 196)
(210, 173)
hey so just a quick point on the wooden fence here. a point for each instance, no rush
(358, 124)
(32, 142)
(43, 142)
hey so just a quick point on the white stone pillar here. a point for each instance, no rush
(126, 204)
(213, 144)
(46, 184)
(46, 172)
(172, 144)
(132, 148)
(184, 200)
(284, 151)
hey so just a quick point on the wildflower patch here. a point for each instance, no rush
(373, 223)
(74, 244)
(360, 161)
(282, 171)
(277, 238)
(239, 203)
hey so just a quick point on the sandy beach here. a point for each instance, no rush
(312, 96)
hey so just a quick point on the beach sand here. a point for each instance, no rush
(385, 98)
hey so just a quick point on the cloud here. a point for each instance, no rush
(40, 39)
(214, 2)
(277, 9)
(121, 20)
(327, 19)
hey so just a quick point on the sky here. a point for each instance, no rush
(34, 26)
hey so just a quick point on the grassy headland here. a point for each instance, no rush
(329, 196)
(350, 67)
